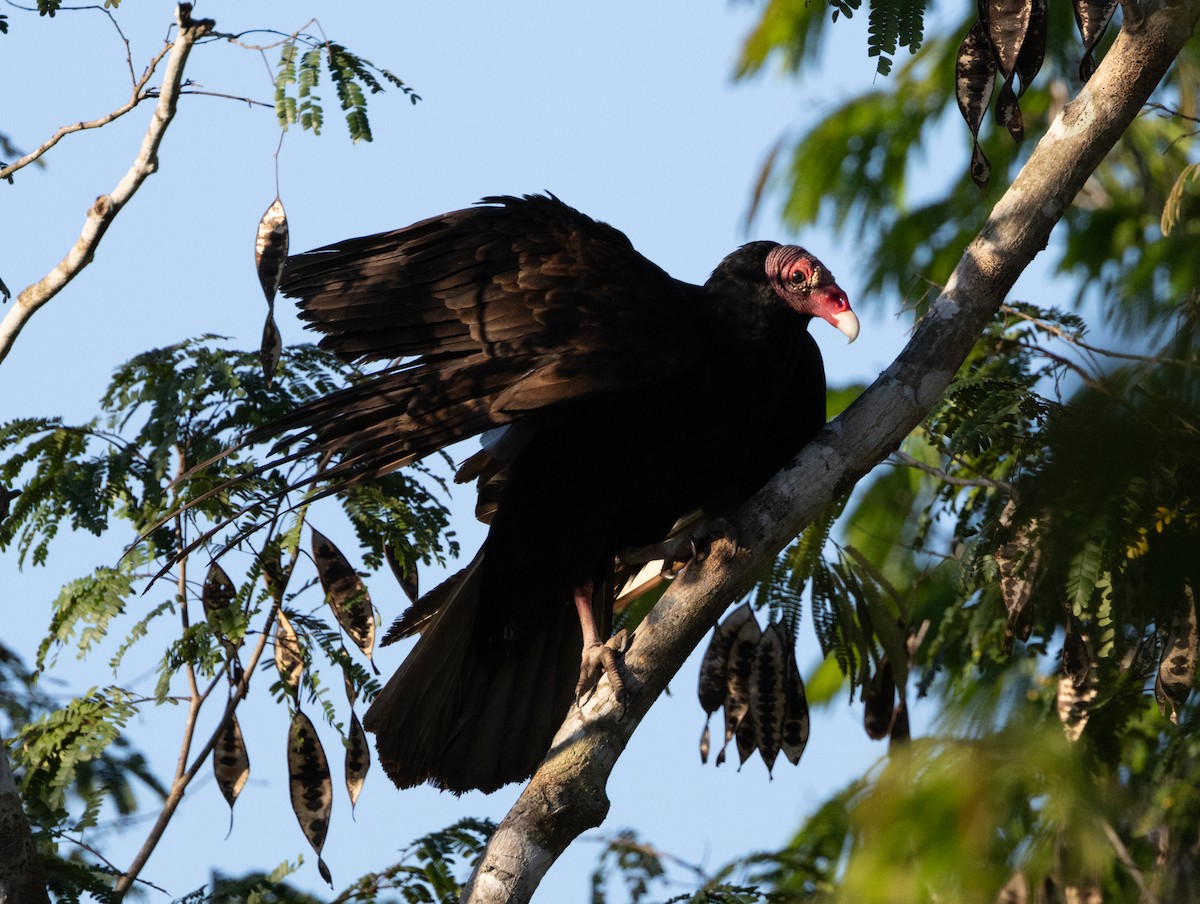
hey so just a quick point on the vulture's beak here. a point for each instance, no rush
(846, 322)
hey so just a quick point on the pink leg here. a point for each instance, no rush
(598, 657)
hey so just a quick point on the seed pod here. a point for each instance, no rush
(1092, 17)
(1078, 684)
(1006, 22)
(739, 721)
(714, 669)
(346, 594)
(309, 784)
(1033, 48)
(974, 79)
(767, 701)
(1177, 669)
(271, 248)
(271, 349)
(1017, 561)
(216, 595)
(231, 763)
(218, 591)
(358, 760)
(795, 721)
(288, 658)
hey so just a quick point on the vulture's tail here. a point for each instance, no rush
(466, 713)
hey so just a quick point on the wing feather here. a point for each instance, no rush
(487, 314)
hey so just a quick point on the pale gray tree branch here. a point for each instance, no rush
(105, 209)
(567, 794)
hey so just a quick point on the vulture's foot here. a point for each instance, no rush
(604, 659)
(676, 552)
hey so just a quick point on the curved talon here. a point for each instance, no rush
(603, 659)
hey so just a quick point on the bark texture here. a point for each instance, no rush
(21, 880)
(567, 794)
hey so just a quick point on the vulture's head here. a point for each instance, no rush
(787, 273)
(809, 288)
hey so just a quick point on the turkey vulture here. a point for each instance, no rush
(612, 400)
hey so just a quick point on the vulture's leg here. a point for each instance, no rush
(599, 657)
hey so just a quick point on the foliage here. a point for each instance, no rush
(854, 170)
(134, 467)
(351, 74)
(1037, 540)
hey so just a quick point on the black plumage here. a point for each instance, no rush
(613, 398)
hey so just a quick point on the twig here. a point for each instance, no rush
(906, 459)
(1094, 349)
(80, 843)
(1127, 861)
(139, 95)
(106, 207)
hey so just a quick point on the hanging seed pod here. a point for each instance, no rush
(1092, 17)
(974, 79)
(1033, 48)
(1007, 22)
(1017, 563)
(1077, 685)
(216, 595)
(879, 701)
(218, 590)
(288, 658)
(714, 669)
(271, 349)
(346, 594)
(310, 786)
(358, 760)
(767, 701)
(1177, 669)
(795, 721)
(231, 763)
(739, 721)
(271, 248)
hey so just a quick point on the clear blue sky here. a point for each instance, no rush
(625, 110)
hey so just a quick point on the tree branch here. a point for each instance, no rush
(567, 794)
(106, 207)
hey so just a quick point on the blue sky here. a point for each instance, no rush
(625, 110)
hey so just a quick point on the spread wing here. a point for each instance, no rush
(484, 315)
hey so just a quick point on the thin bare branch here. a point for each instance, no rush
(106, 207)
(567, 794)
(139, 95)
(904, 458)
(1062, 334)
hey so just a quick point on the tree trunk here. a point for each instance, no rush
(21, 880)
(567, 794)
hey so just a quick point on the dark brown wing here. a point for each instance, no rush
(487, 314)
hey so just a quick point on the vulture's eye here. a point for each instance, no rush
(799, 277)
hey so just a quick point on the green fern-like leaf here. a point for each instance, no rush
(883, 32)
(1083, 574)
